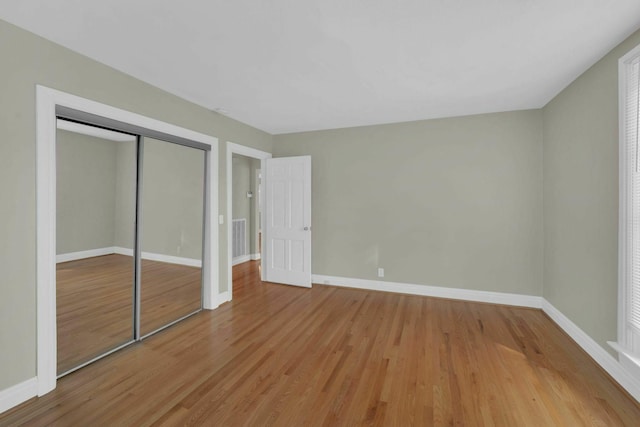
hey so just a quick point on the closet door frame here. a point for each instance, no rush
(50, 104)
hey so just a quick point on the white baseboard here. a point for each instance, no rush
(15, 395)
(72, 256)
(240, 259)
(245, 258)
(160, 257)
(191, 262)
(224, 297)
(627, 359)
(431, 291)
(609, 363)
(128, 252)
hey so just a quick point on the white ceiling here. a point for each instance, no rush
(296, 65)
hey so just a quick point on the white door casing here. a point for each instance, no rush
(287, 211)
(232, 149)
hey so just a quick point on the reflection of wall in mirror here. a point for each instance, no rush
(96, 196)
(173, 199)
(86, 192)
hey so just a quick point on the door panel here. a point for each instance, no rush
(297, 255)
(288, 220)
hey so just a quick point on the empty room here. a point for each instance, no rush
(320, 213)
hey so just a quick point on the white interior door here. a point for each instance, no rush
(287, 212)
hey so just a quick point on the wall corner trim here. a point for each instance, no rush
(606, 361)
(432, 291)
(17, 394)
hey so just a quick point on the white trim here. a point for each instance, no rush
(431, 291)
(224, 297)
(73, 256)
(240, 259)
(191, 262)
(46, 101)
(622, 350)
(593, 349)
(258, 198)
(625, 212)
(627, 359)
(242, 150)
(244, 258)
(15, 395)
(630, 55)
(623, 191)
(210, 256)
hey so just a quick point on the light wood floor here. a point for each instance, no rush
(278, 355)
(95, 303)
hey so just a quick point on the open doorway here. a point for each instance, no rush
(245, 209)
(244, 201)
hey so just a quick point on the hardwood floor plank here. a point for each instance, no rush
(279, 355)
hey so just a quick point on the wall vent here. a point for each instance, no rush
(239, 236)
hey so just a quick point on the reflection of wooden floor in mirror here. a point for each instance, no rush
(95, 303)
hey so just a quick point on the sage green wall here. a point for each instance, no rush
(581, 198)
(241, 204)
(453, 202)
(28, 60)
(86, 192)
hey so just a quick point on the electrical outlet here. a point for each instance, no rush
(381, 272)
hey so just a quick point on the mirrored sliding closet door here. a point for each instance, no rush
(172, 228)
(96, 191)
(130, 226)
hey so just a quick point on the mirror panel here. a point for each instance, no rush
(171, 234)
(96, 189)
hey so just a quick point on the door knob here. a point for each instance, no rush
(306, 229)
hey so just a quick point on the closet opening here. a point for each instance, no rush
(131, 209)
